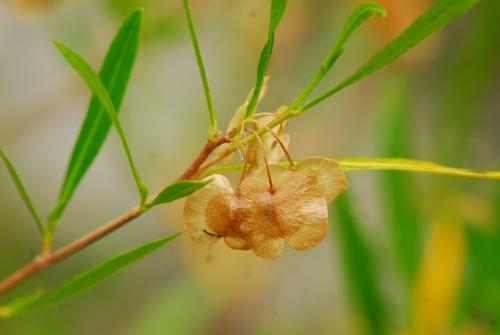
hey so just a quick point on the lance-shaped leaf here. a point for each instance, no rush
(432, 20)
(460, 106)
(411, 165)
(90, 278)
(277, 10)
(362, 13)
(387, 164)
(170, 310)
(20, 303)
(359, 267)
(179, 190)
(398, 188)
(213, 130)
(114, 75)
(23, 193)
(95, 84)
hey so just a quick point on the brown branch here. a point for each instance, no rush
(220, 156)
(47, 258)
(192, 170)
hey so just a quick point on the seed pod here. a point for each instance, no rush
(262, 219)
(253, 217)
(294, 212)
(329, 176)
(206, 212)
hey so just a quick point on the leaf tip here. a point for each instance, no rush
(56, 43)
(375, 7)
(60, 46)
(137, 13)
(381, 11)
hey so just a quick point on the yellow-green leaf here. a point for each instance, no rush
(411, 165)
(387, 164)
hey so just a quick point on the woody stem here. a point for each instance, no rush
(46, 258)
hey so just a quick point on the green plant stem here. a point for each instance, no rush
(324, 96)
(286, 115)
(362, 13)
(213, 128)
(24, 195)
(141, 187)
(314, 83)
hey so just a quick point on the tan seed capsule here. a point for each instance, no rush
(206, 212)
(262, 219)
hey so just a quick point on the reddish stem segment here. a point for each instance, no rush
(269, 177)
(192, 170)
(47, 258)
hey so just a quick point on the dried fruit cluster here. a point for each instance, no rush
(273, 205)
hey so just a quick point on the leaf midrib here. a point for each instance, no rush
(67, 193)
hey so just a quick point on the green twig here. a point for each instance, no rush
(24, 194)
(213, 130)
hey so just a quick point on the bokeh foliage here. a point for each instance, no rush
(461, 94)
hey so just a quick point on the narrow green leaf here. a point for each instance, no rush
(459, 104)
(96, 86)
(95, 275)
(23, 193)
(392, 164)
(362, 13)
(213, 128)
(411, 165)
(91, 79)
(170, 310)
(179, 190)
(20, 303)
(432, 20)
(481, 293)
(359, 268)
(114, 75)
(398, 188)
(277, 11)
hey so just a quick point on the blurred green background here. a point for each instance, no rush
(406, 254)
